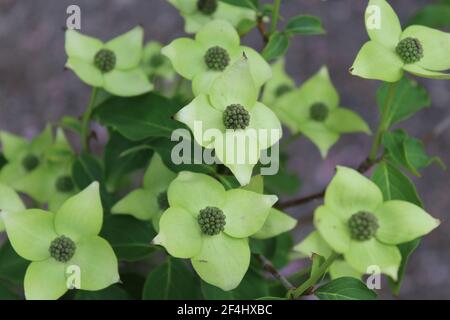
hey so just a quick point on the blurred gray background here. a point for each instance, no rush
(35, 89)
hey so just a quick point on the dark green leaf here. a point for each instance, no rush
(171, 281)
(7, 294)
(394, 184)
(433, 16)
(304, 24)
(164, 148)
(277, 46)
(252, 4)
(409, 97)
(283, 182)
(406, 249)
(116, 165)
(12, 266)
(407, 151)
(345, 288)
(114, 292)
(3, 160)
(129, 237)
(140, 117)
(87, 169)
(275, 249)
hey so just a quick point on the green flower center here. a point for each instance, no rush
(105, 60)
(217, 58)
(163, 201)
(282, 89)
(64, 184)
(236, 117)
(30, 162)
(318, 112)
(207, 7)
(62, 249)
(410, 50)
(363, 225)
(211, 220)
(157, 60)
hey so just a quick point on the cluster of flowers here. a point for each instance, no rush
(195, 216)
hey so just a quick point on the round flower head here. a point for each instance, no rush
(57, 244)
(314, 244)
(34, 167)
(210, 226)
(232, 122)
(149, 202)
(154, 63)
(215, 48)
(114, 65)
(9, 202)
(420, 50)
(356, 222)
(314, 110)
(197, 13)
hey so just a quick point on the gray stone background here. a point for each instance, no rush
(35, 89)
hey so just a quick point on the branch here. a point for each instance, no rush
(262, 29)
(269, 267)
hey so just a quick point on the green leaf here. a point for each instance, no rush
(406, 249)
(345, 288)
(394, 184)
(276, 249)
(252, 4)
(408, 152)
(433, 15)
(130, 238)
(409, 98)
(114, 292)
(171, 281)
(140, 117)
(12, 266)
(3, 160)
(87, 169)
(7, 294)
(253, 286)
(70, 123)
(304, 25)
(117, 165)
(284, 182)
(277, 46)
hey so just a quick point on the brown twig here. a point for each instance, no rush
(269, 267)
(262, 29)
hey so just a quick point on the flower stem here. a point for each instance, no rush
(384, 122)
(312, 280)
(85, 122)
(275, 15)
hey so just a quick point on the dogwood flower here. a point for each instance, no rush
(215, 48)
(314, 244)
(154, 63)
(280, 84)
(113, 66)
(197, 13)
(231, 121)
(40, 168)
(211, 226)
(419, 50)
(150, 201)
(9, 202)
(314, 110)
(356, 222)
(57, 244)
